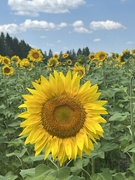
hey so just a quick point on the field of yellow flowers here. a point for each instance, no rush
(67, 120)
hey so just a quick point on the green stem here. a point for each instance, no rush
(93, 165)
(132, 120)
(103, 72)
(87, 174)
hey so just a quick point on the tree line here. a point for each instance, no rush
(10, 46)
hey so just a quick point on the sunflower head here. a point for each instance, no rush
(7, 70)
(65, 55)
(69, 62)
(35, 55)
(24, 62)
(80, 70)
(52, 62)
(62, 117)
(101, 55)
(56, 56)
(6, 60)
(15, 58)
(92, 56)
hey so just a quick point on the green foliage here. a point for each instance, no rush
(113, 156)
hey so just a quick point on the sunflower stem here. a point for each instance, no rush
(132, 120)
(87, 174)
(93, 165)
(103, 73)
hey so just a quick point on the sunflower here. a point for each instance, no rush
(62, 117)
(6, 60)
(35, 55)
(56, 56)
(92, 56)
(52, 62)
(80, 70)
(1, 59)
(7, 70)
(15, 58)
(69, 62)
(24, 62)
(101, 55)
(65, 55)
(120, 59)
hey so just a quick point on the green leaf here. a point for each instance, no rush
(105, 175)
(17, 153)
(27, 172)
(119, 116)
(10, 176)
(119, 176)
(78, 165)
(109, 147)
(41, 169)
(132, 150)
(62, 173)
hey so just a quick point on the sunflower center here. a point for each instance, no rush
(35, 55)
(102, 57)
(6, 61)
(63, 116)
(6, 70)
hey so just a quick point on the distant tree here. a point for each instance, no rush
(2, 44)
(12, 46)
(86, 51)
(50, 54)
(8, 46)
(24, 49)
(79, 52)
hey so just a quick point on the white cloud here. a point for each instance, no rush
(33, 7)
(81, 30)
(78, 23)
(32, 25)
(96, 40)
(35, 24)
(62, 25)
(79, 27)
(105, 25)
(9, 28)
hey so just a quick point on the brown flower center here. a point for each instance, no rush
(63, 116)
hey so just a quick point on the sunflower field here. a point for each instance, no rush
(67, 120)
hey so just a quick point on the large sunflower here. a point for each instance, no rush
(62, 117)
(35, 55)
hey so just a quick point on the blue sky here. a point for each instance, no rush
(61, 25)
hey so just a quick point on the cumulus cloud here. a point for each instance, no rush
(81, 30)
(78, 23)
(32, 25)
(105, 25)
(33, 7)
(35, 24)
(62, 25)
(79, 27)
(9, 28)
